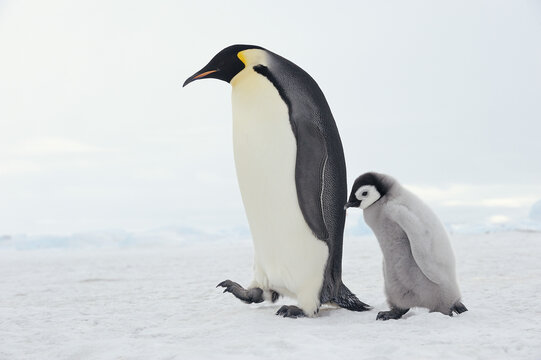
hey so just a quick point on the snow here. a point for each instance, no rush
(145, 300)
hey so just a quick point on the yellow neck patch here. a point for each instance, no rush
(241, 56)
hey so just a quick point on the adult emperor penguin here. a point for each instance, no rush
(418, 261)
(292, 177)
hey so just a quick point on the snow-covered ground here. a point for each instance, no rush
(160, 302)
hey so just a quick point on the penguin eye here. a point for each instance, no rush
(364, 193)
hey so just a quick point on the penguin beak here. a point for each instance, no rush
(352, 204)
(201, 74)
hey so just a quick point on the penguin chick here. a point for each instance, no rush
(418, 261)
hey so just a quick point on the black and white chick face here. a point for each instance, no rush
(367, 189)
(365, 196)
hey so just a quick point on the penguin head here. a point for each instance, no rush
(367, 189)
(224, 65)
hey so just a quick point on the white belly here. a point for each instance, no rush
(288, 257)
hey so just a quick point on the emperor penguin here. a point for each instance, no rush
(292, 177)
(418, 261)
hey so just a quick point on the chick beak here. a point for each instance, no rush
(352, 204)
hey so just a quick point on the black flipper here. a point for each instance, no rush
(311, 157)
(254, 295)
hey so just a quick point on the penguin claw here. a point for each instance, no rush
(393, 314)
(274, 296)
(383, 315)
(290, 311)
(227, 284)
(458, 308)
(254, 295)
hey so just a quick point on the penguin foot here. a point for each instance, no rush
(254, 295)
(458, 308)
(290, 311)
(274, 296)
(394, 313)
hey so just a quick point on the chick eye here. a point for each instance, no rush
(364, 193)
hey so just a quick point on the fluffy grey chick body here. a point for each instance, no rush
(418, 261)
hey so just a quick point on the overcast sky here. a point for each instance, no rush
(96, 131)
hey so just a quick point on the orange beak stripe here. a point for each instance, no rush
(205, 74)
